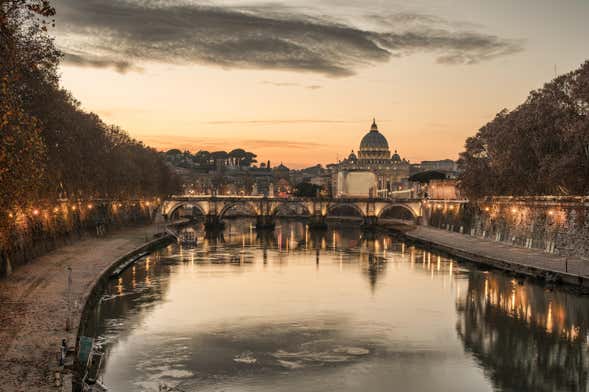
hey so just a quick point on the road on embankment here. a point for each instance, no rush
(33, 308)
(572, 271)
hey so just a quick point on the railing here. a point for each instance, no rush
(293, 199)
(172, 233)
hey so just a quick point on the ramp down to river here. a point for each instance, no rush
(572, 271)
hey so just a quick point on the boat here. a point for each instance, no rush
(90, 382)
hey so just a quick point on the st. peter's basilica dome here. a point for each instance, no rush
(374, 145)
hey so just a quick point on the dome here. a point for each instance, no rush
(352, 157)
(374, 140)
(281, 167)
(396, 157)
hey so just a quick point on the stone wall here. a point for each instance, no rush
(557, 225)
(40, 231)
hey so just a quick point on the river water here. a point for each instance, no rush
(338, 311)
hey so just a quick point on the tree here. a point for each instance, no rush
(306, 189)
(539, 148)
(49, 146)
(21, 154)
(244, 158)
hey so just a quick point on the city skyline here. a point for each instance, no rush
(300, 84)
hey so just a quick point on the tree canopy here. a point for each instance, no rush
(306, 189)
(49, 147)
(427, 176)
(539, 148)
(206, 159)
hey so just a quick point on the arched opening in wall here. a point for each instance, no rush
(397, 213)
(238, 210)
(187, 211)
(346, 212)
(290, 210)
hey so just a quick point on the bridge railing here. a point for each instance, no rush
(293, 198)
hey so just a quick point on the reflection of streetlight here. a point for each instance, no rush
(68, 298)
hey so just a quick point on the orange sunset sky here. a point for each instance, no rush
(300, 82)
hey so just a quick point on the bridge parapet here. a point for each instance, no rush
(369, 209)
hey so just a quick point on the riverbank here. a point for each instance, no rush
(534, 263)
(34, 310)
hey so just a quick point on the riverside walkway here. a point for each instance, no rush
(33, 308)
(531, 262)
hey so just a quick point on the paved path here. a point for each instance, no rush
(501, 252)
(33, 307)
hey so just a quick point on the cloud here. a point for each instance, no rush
(454, 47)
(278, 122)
(166, 141)
(124, 33)
(291, 84)
(120, 66)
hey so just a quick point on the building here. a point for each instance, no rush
(443, 189)
(355, 183)
(375, 156)
(446, 166)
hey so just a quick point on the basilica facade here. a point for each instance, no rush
(375, 156)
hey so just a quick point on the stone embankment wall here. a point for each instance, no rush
(557, 225)
(33, 235)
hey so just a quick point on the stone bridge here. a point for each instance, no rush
(318, 210)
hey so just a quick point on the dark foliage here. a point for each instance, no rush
(427, 176)
(539, 148)
(306, 189)
(49, 147)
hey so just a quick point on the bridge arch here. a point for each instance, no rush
(298, 209)
(248, 205)
(398, 211)
(175, 207)
(350, 206)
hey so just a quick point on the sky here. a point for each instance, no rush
(299, 82)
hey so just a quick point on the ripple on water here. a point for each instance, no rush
(245, 357)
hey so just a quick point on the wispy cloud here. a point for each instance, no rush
(125, 33)
(166, 141)
(291, 84)
(85, 60)
(279, 122)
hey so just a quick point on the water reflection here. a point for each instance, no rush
(525, 337)
(292, 309)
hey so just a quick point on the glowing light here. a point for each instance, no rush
(514, 210)
(550, 212)
(55, 209)
(36, 212)
(487, 209)
(147, 203)
(10, 215)
(90, 206)
(450, 207)
(549, 321)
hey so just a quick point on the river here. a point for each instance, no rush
(340, 310)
